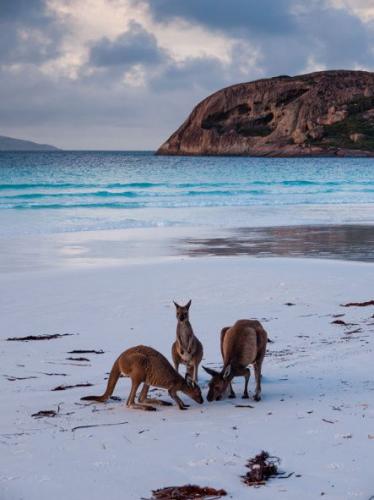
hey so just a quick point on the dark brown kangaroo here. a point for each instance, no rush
(242, 344)
(187, 348)
(146, 365)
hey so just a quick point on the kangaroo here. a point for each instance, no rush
(187, 348)
(146, 365)
(242, 344)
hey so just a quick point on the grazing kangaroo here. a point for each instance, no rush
(187, 348)
(148, 366)
(242, 344)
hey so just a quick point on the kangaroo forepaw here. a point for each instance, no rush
(232, 395)
(245, 395)
(257, 397)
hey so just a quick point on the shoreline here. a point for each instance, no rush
(107, 248)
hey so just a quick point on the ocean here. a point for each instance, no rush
(53, 192)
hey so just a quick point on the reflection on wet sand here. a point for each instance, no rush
(347, 242)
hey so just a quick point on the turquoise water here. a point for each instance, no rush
(73, 191)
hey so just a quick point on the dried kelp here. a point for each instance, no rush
(187, 492)
(39, 337)
(261, 468)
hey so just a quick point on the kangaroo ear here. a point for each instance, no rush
(176, 305)
(210, 371)
(227, 372)
(187, 306)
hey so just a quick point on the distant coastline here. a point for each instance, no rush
(10, 144)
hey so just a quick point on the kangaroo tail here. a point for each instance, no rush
(113, 378)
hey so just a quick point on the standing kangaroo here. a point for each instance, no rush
(148, 366)
(187, 348)
(242, 344)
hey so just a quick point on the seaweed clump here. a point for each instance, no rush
(261, 468)
(187, 492)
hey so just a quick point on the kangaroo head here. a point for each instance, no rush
(218, 383)
(193, 390)
(182, 311)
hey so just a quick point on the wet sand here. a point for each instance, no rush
(117, 247)
(343, 242)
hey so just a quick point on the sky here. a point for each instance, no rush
(124, 74)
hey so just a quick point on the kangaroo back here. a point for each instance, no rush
(239, 343)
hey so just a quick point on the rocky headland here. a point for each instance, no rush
(327, 113)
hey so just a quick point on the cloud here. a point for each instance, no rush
(134, 46)
(267, 16)
(28, 32)
(125, 73)
(287, 34)
(338, 38)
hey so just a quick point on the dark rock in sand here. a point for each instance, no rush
(325, 113)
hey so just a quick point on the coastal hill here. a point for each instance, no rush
(325, 113)
(11, 144)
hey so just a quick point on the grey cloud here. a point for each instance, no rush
(31, 11)
(132, 47)
(338, 38)
(287, 33)
(202, 73)
(20, 20)
(99, 110)
(265, 16)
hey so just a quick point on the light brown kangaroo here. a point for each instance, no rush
(242, 344)
(187, 348)
(146, 365)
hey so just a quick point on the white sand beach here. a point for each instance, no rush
(317, 411)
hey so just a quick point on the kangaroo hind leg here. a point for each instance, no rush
(143, 398)
(131, 399)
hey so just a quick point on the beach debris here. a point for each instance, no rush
(328, 421)
(359, 304)
(39, 337)
(44, 413)
(289, 304)
(357, 330)
(370, 436)
(55, 374)
(77, 359)
(64, 387)
(86, 351)
(261, 468)
(342, 322)
(187, 492)
(244, 406)
(48, 413)
(12, 379)
(338, 315)
(96, 425)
